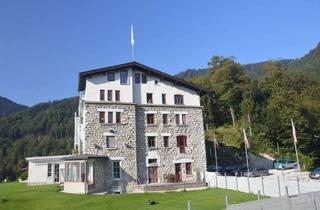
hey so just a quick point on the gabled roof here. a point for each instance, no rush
(136, 66)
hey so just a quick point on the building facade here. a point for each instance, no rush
(135, 126)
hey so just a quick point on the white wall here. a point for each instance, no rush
(100, 81)
(136, 93)
(38, 172)
(190, 97)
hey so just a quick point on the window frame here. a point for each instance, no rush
(117, 95)
(108, 140)
(177, 116)
(137, 79)
(109, 95)
(102, 95)
(148, 97)
(182, 143)
(164, 98)
(110, 117)
(150, 119)
(111, 76)
(166, 141)
(102, 117)
(178, 99)
(144, 79)
(188, 168)
(122, 82)
(116, 172)
(165, 119)
(153, 138)
(118, 117)
(49, 170)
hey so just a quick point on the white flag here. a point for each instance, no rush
(245, 139)
(132, 37)
(294, 133)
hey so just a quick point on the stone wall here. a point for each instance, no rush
(125, 143)
(194, 131)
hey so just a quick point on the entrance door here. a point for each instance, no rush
(178, 172)
(56, 173)
(153, 174)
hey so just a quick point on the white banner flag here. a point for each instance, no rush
(245, 139)
(294, 133)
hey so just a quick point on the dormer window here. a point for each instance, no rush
(123, 77)
(149, 98)
(178, 99)
(111, 76)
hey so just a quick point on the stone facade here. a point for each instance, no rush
(131, 146)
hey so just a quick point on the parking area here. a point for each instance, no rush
(273, 185)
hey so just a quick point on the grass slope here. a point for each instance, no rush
(19, 196)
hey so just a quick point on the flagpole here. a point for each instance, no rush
(247, 159)
(249, 120)
(216, 158)
(295, 145)
(132, 43)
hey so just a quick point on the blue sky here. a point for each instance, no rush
(45, 44)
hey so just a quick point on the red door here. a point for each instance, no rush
(178, 172)
(153, 174)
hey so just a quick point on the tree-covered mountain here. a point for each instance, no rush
(44, 129)
(309, 63)
(7, 106)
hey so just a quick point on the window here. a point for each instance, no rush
(183, 119)
(117, 95)
(151, 141)
(109, 95)
(111, 76)
(177, 119)
(110, 141)
(188, 169)
(156, 82)
(166, 141)
(178, 99)
(165, 119)
(118, 117)
(149, 98)
(144, 78)
(152, 161)
(116, 169)
(150, 118)
(182, 143)
(137, 78)
(110, 117)
(101, 95)
(83, 172)
(123, 77)
(49, 169)
(72, 171)
(164, 101)
(101, 117)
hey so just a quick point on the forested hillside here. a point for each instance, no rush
(44, 129)
(309, 63)
(271, 101)
(7, 106)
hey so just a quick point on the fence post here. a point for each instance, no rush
(237, 187)
(262, 184)
(279, 186)
(298, 185)
(248, 183)
(189, 205)
(216, 179)
(227, 201)
(286, 190)
(259, 195)
(225, 180)
(314, 202)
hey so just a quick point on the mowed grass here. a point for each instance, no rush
(16, 196)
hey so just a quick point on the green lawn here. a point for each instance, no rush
(16, 196)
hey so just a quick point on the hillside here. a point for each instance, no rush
(7, 106)
(309, 63)
(44, 129)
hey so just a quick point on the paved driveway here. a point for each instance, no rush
(286, 178)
